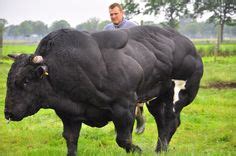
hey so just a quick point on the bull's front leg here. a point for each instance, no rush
(123, 119)
(71, 134)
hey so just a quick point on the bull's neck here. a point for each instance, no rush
(63, 104)
(49, 98)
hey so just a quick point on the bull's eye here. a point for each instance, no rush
(26, 81)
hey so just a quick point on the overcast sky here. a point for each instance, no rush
(48, 11)
(73, 11)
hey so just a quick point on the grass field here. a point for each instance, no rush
(18, 49)
(226, 49)
(208, 125)
(205, 49)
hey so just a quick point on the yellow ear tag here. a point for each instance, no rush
(46, 73)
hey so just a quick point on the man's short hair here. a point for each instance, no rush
(112, 6)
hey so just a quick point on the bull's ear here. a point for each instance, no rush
(41, 71)
(13, 56)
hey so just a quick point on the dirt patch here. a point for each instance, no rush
(221, 85)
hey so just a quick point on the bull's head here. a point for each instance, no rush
(25, 81)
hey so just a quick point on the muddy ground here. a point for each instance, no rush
(221, 85)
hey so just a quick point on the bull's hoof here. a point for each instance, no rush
(72, 153)
(140, 130)
(161, 149)
(140, 124)
(135, 149)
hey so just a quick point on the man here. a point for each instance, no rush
(117, 18)
(119, 22)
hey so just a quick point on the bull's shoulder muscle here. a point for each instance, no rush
(111, 39)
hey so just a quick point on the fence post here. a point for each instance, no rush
(1, 40)
(217, 46)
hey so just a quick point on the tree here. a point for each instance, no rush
(26, 28)
(222, 13)
(190, 28)
(12, 30)
(3, 22)
(173, 10)
(131, 9)
(102, 24)
(230, 31)
(59, 25)
(40, 28)
(89, 25)
(194, 29)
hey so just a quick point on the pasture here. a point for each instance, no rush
(204, 48)
(208, 125)
(226, 49)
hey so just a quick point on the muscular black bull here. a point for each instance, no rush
(100, 77)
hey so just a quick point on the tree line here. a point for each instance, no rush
(187, 26)
(28, 28)
(222, 12)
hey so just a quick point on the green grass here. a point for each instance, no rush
(223, 69)
(226, 49)
(203, 47)
(208, 125)
(213, 41)
(18, 49)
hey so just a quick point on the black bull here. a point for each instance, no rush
(100, 77)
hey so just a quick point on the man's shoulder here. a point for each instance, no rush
(129, 24)
(108, 26)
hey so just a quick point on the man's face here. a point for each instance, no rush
(116, 15)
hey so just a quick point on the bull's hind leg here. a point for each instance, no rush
(167, 121)
(166, 108)
(187, 95)
(140, 127)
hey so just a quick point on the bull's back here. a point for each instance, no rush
(175, 55)
(153, 48)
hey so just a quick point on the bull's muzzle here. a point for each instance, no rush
(8, 114)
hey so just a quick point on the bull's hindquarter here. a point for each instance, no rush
(97, 78)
